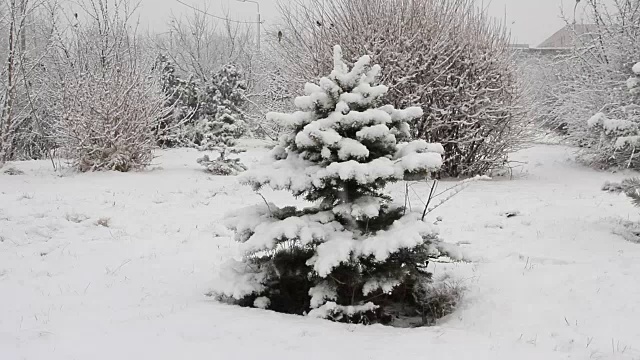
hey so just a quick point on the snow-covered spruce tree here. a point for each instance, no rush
(223, 122)
(204, 114)
(618, 130)
(182, 105)
(353, 256)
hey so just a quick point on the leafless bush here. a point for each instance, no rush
(446, 55)
(542, 74)
(271, 90)
(591, 78)
(107, 99)
(107, 122)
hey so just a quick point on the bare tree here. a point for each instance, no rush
(271, 90)
(591, 79)
(199, 44)
(21, 31)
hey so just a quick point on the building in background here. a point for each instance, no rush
(562, 41)
(569, 36)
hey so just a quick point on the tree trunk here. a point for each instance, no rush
(6, 132)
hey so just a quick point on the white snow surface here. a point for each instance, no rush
(553, 282)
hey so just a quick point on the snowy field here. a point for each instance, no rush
(116, 266)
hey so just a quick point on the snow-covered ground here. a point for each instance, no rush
(116, 266)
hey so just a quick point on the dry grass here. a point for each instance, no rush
(13, 171)
(103, 221)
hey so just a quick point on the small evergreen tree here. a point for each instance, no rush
(182, 100)
(204, 115)
(223, 122)
(354, 255)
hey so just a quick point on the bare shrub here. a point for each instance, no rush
(445, 55)
(107, 125)
(108, 100)
(591, 79)
(542, 74)
(270, 90)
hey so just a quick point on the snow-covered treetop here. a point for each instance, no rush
(228, 85)
(343, 141)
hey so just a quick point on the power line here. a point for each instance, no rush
(216, 16)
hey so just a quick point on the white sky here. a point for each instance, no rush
(531, 21)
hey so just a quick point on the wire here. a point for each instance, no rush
(218, 17)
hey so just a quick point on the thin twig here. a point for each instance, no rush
(426, 207)
(266, 203)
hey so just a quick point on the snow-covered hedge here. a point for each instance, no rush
(354, 254)
(446, 55)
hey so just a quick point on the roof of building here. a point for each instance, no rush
(566, 37)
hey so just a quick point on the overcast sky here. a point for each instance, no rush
(531, 21)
